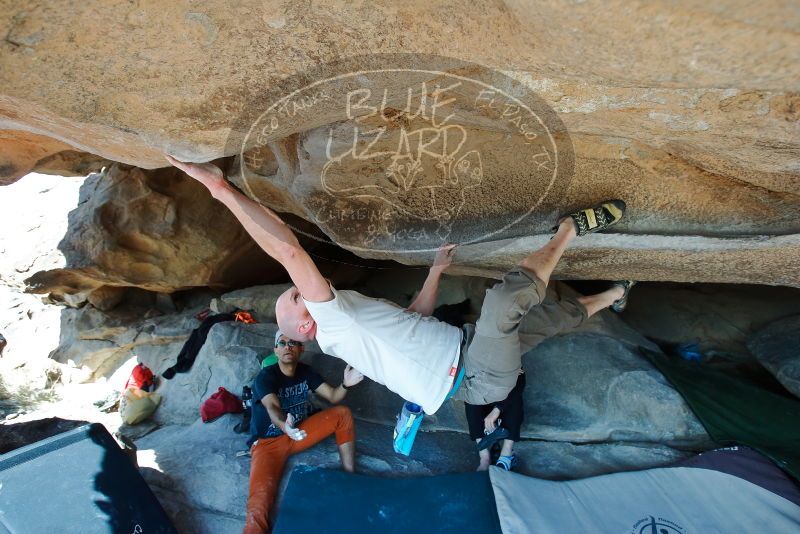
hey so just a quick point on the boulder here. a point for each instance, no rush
(105, 298)
(586, 387)
(24, 152)
(665, 99)
(722, 318)
(776, 348)
(259, 300)
(100, 342)
(641, 103)
(155, 230)
(229, 358)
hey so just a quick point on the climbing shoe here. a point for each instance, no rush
(596, 218)
(621, 302)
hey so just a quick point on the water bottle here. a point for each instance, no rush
(247, 397)
(405, 430)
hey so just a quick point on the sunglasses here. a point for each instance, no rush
(291, 344)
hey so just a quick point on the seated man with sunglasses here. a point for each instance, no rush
(281, 424)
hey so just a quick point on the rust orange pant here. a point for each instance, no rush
(269, 457)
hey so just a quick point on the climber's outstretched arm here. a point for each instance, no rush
(266, 229)
(426, 300)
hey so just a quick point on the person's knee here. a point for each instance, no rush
(345, 426)
(505, 304)
(535, 283)
(342, 412)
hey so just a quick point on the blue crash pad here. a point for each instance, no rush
(333, 501)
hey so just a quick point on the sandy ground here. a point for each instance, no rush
(33, 220)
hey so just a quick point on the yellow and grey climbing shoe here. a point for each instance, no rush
(597, 218)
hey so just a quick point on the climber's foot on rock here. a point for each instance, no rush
(597, 218)
(626, 285)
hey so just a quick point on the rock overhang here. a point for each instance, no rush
(688, 113)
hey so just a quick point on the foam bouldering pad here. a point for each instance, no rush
(77, 481)
(729, 491)
(333, 501)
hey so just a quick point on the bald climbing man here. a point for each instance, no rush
(420, 358)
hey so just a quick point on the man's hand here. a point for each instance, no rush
(289, 429)
(444, 257)
(266, 228)
(426, 300)
(491, 421)
(207, 174)
(337, 394)
(351, 376)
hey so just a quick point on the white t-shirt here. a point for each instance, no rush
(412, 355)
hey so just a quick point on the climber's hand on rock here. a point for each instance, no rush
(293, 433)
(444, 256)
(207, 174)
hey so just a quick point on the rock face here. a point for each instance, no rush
(688, 112)
(156, 230)
(23, 152)
(101, 342)
(567, 461)
(591, 388)
(229, 358)
(722, 318)
(776, 348)
(258, 300)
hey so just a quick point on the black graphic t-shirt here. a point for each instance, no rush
(292, 392)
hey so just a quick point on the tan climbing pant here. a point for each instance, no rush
(494, 355)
